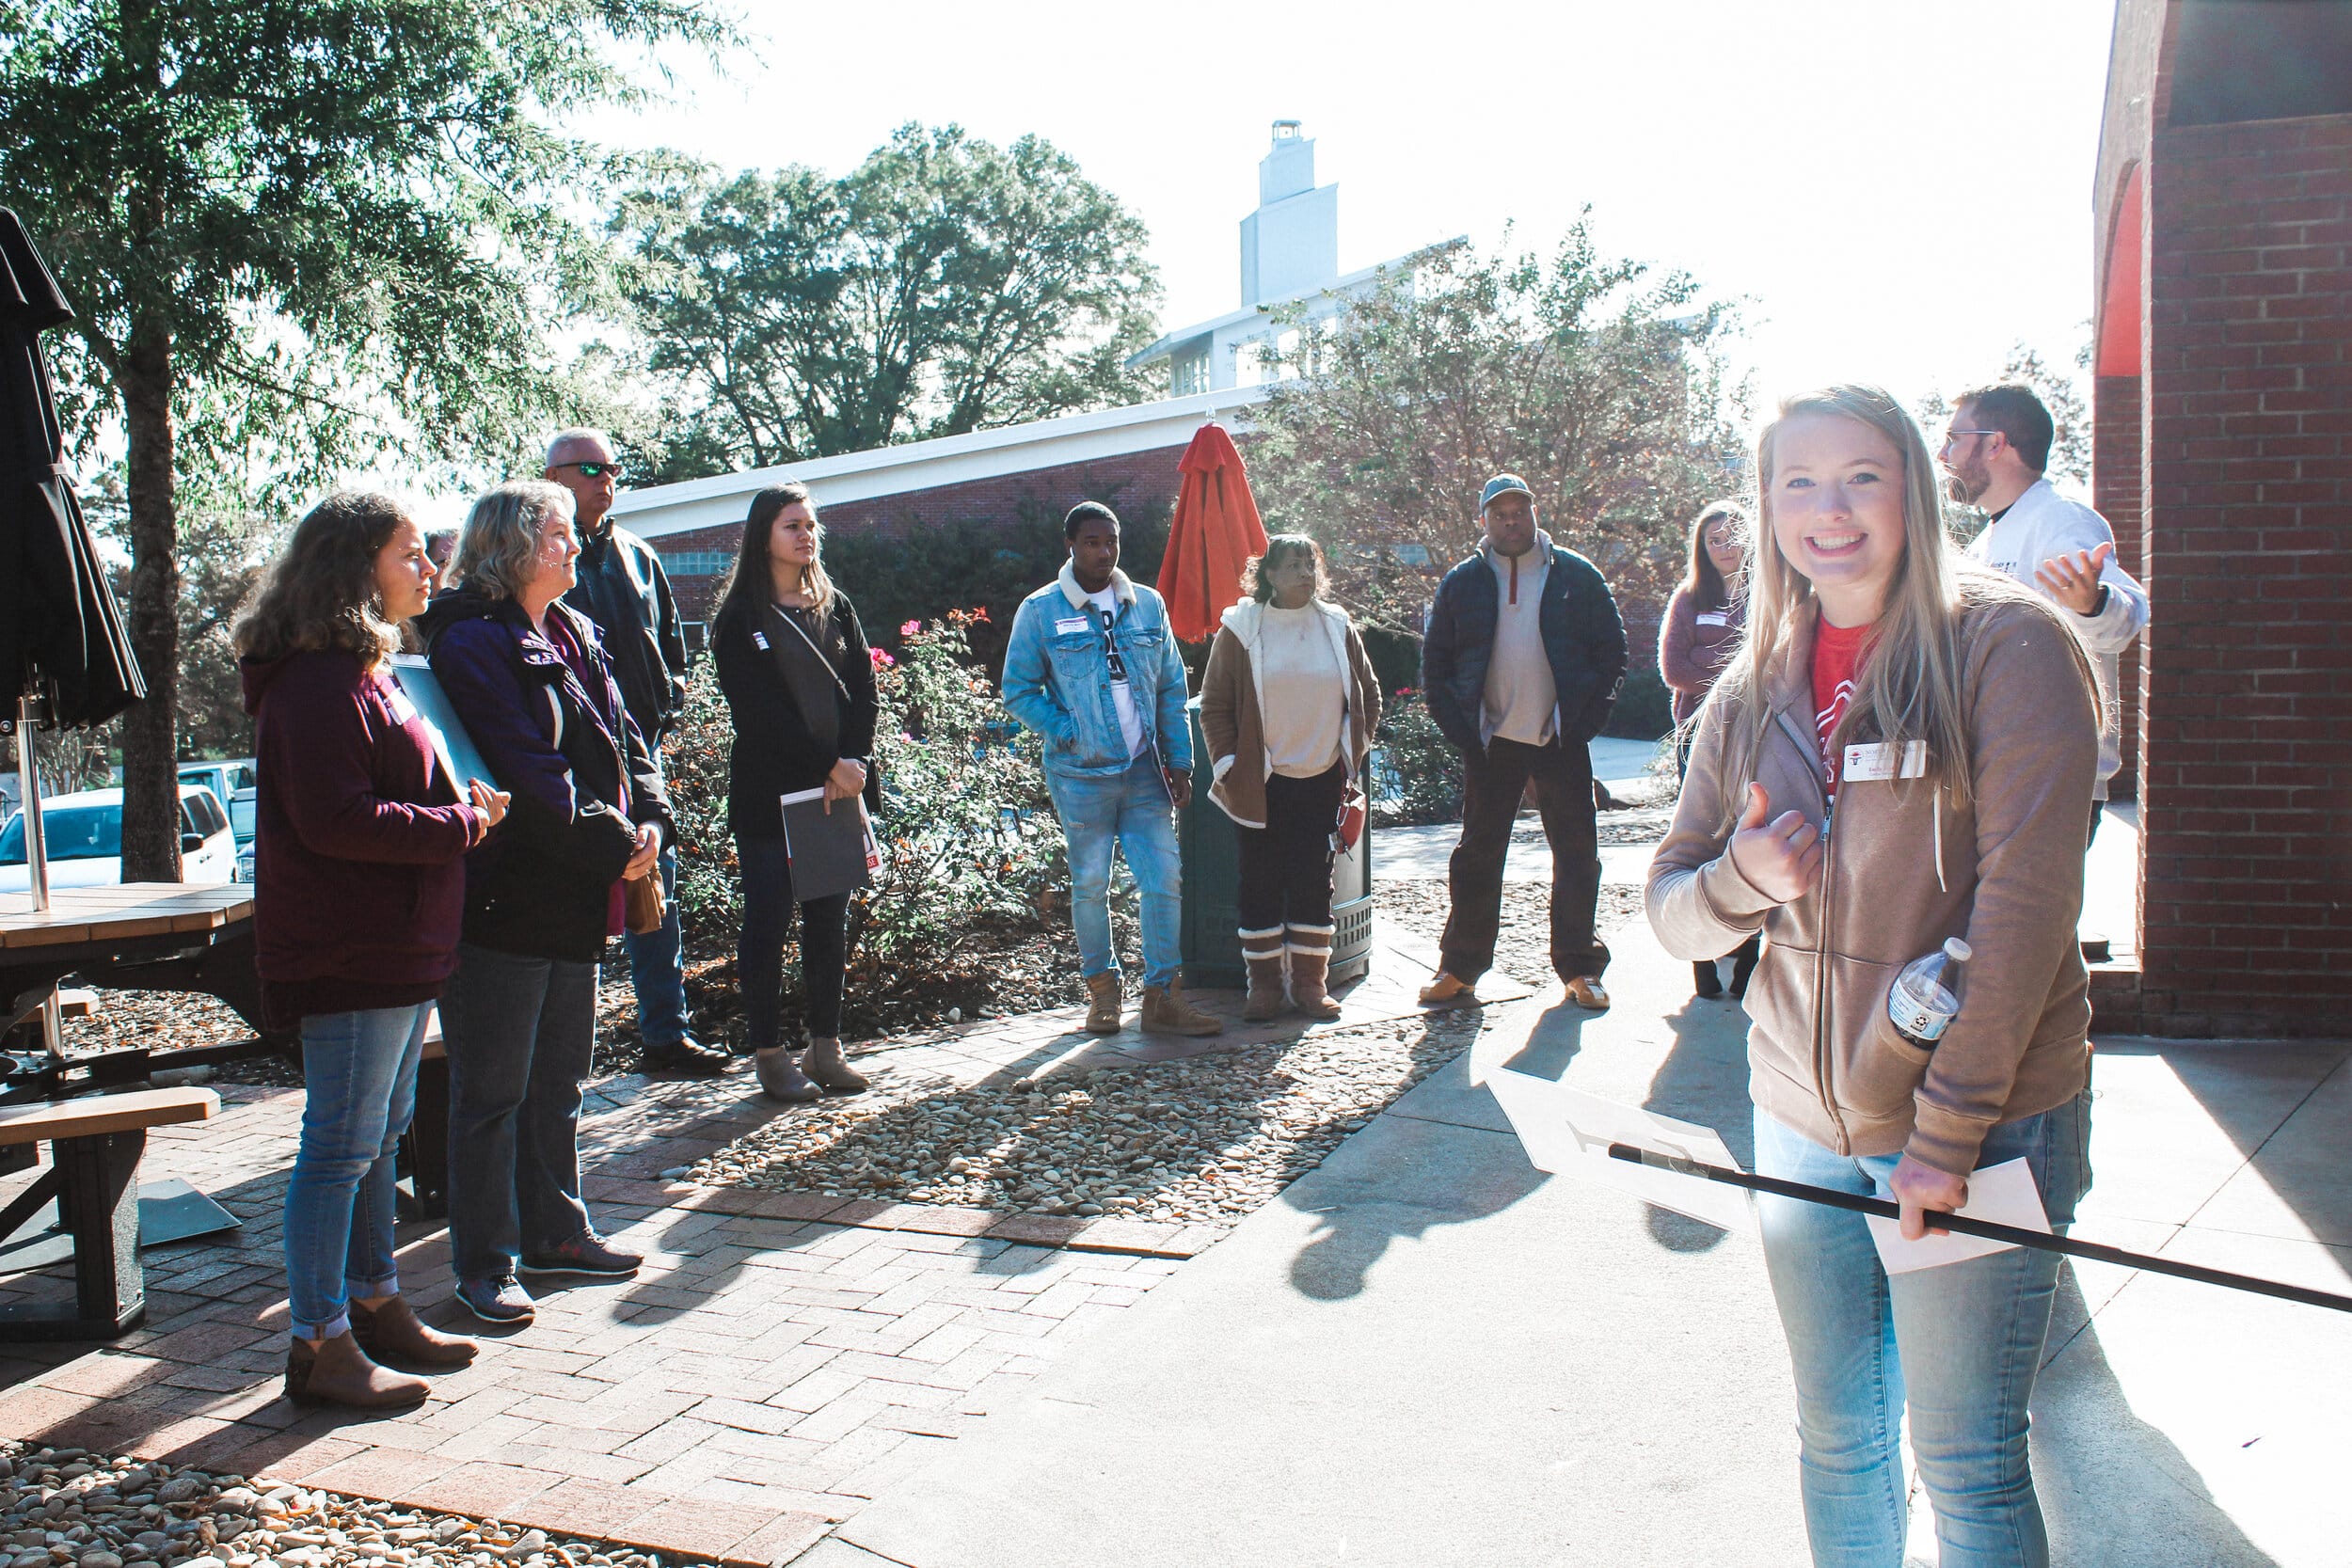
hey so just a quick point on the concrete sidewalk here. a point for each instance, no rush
(1429, 1353)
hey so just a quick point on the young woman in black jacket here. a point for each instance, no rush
(799, 683)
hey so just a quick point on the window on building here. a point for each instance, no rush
(696, 564)
(1188, 373)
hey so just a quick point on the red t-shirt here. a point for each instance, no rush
(1837, 664)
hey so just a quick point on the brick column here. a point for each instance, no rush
(2115, 490)
(2246, 802)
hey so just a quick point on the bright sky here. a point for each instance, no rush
(1900, 188)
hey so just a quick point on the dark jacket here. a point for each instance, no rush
(1583, 639)
(773, 753)
(578, 769)
(358, 838)
(623, 589)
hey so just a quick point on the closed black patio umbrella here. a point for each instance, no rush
(61, 636)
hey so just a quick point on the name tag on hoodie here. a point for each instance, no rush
(1714, 618)
(402, 709)
(1875, 762)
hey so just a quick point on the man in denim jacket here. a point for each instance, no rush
(1092, 669)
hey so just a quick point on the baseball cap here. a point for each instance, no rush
(1502, 484)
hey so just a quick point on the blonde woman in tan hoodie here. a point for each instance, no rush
(1945, 721)
(1289, 705)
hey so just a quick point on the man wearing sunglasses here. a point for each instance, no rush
(623, 589)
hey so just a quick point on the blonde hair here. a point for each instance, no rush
(1909, 686)
(499, 551)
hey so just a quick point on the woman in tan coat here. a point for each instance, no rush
(1289, 705)
(1947, 722)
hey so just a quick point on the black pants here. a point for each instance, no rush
(767, 905)
(1286, 864)
(1492, 785)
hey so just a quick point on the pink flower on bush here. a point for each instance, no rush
(910, 628)
(882, 661)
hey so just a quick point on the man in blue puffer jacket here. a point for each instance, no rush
(1523, 659)
(1091, 667)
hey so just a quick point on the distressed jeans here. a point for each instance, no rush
(519, 1031)
(1127, 812)
(359, 1090)
(1959, 1345)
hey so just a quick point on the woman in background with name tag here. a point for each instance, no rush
(1704, 623)
(359, 885)
(1289, 705)
(799, 683)
(1897, 758)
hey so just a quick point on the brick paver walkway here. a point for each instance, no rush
(780, 1358)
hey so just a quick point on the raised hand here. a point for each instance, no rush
(1782, 858)
(2073, 580)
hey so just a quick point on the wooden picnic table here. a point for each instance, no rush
(130, 936)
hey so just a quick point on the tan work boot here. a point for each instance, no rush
(1167, 1012)
(340, 1372)
(1103, 1002)
(823, 1066)
(392, 1330)
(1307, 972)
(1444, 988)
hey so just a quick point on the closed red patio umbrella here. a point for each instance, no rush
(1214, 532)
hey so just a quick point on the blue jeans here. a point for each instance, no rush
(359, 1090)
(519, 1031)
(655, 970)
(1130, 811)
(1961, 1344)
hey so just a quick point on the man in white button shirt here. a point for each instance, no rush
(1993, 455)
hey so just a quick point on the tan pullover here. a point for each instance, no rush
(1906, 868)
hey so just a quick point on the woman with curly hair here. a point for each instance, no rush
(358, 870)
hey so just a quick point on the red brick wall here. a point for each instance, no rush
(1036, 498)
(2115, 490)
(2246, 797)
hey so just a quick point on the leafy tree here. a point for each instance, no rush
(318, 229)
(944, 285)
(1601, 386)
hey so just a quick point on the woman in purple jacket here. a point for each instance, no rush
(358, 850)
(1705, 621)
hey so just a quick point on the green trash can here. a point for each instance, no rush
(1211, 845)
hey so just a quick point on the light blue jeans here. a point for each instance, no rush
(1128, 812)
(359, 1090)
(1959, 1343)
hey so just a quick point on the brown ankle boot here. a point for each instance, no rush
(393, 1332)
(823, 1064)
(1167, 1012)
(1266, 987)
(340, 1372)
(1307, 972)
(1103, 1002)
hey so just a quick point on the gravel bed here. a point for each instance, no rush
(1205, 1139)
(1523, 945)
(67, 1508)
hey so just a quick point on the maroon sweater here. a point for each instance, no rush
(359, 842)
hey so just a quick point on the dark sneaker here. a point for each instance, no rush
(589, 1254)
(689, 1056)
(496, 1301)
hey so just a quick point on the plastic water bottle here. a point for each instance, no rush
(1926, 995)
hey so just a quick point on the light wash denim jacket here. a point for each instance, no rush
(1058, 683)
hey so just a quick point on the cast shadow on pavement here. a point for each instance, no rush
(1704, 1079)
(1443, 1155)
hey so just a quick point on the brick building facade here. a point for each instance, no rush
(2223, 458)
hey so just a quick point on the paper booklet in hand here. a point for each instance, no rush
(831, 851)
(452, 746)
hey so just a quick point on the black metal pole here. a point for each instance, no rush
(1963, 1224)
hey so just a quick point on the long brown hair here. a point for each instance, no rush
(750, 580)
(321, 592)
(1707, 584)
(1909, 686)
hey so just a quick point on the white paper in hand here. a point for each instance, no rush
(1568, 1132)
(2004, 1194)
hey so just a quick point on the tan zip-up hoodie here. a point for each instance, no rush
(1231, 715)
(1905, 870)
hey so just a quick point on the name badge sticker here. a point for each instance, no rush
(1714, 618)
(1076, 623)
(759, 639)
(402, 709)
(1875, 762)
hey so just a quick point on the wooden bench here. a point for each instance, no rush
(94, 1149)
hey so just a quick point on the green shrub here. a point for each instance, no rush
(1645, 708)
(1417, 774)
